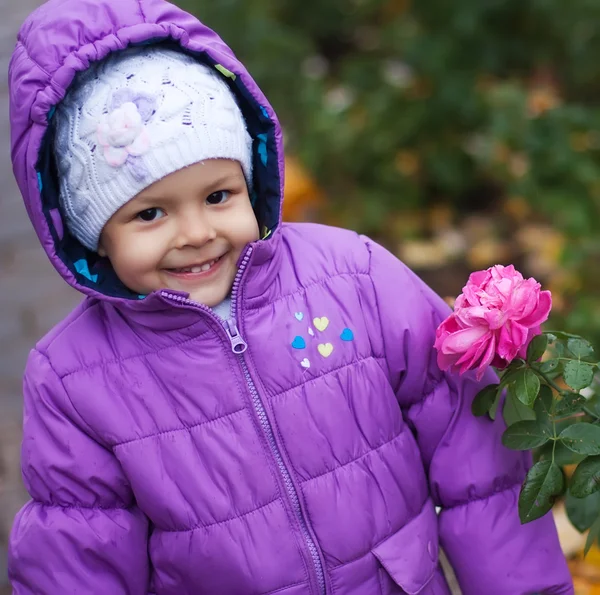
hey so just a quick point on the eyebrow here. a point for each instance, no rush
(213, 186)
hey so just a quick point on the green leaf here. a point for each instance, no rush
(537, 348)
(525, 435)
(582, 438)
(549, 366)
(527, 386)
(562, 335)
(515, 411)
(559, 453)
(510, 374)
(578, 374)
(592, 406)
(592, 536)
(582, 511)
(580, 348)
(484, 400)
(543, 405)
(559, 349)
(494, 408)
(586, 478)
(543, 483)
(568, 404)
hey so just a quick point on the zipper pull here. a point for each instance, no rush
(238, 345)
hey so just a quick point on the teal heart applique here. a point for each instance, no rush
(347, 335)
(299, 343)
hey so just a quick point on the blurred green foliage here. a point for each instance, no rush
(395, 105)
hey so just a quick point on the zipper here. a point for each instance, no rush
(239, 346)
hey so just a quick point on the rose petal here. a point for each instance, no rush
(472, 358)
(474, 285)
(478, 278)
(461, 302)
(512, 337)
(487, 358)
(531, 333)
(445, 361)
(472, 316)
(541, 312)
(460, 341)
(495, 318)
(498, 362)
(518, 333)
(523, 299)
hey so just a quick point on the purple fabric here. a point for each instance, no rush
(57, 222)
(158, 461)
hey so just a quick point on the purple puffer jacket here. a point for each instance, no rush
(299, 448)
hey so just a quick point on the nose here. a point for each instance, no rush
(194, 229)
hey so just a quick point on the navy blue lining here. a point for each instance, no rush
(99, 274)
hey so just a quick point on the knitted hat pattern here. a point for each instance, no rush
(134, 118)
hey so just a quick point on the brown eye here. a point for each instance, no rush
(150, 214)
(217, 198)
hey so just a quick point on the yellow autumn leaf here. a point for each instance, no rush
(581, 141)
(542, 99)
(593, 557)
(301, 192)
(585, 587)
(441, 217)
(487, 252)
(422, 254)
(517, 208)
(394, 8)
(407, 162)
(518, 165)
(501, 153)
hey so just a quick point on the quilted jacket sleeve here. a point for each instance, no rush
(81, 532)
(473, 477)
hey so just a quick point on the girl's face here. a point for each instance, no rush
(184, 232)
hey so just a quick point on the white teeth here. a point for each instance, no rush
(199, 269)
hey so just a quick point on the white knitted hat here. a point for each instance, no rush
(134, 118)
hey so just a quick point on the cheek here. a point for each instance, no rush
(135, 256)
(246, 230)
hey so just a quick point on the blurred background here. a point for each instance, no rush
(460, 135)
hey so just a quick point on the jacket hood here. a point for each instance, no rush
(51, 49)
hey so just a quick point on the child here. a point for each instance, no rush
(239, 406)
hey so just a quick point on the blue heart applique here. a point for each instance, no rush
(347, 335)
(299, 343)
(299, 316)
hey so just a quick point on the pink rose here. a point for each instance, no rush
(494, 319)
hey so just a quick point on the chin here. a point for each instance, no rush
(209, 302)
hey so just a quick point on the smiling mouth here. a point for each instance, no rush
(201, 268)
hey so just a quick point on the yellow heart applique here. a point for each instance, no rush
(321, 323)
(325, 349)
